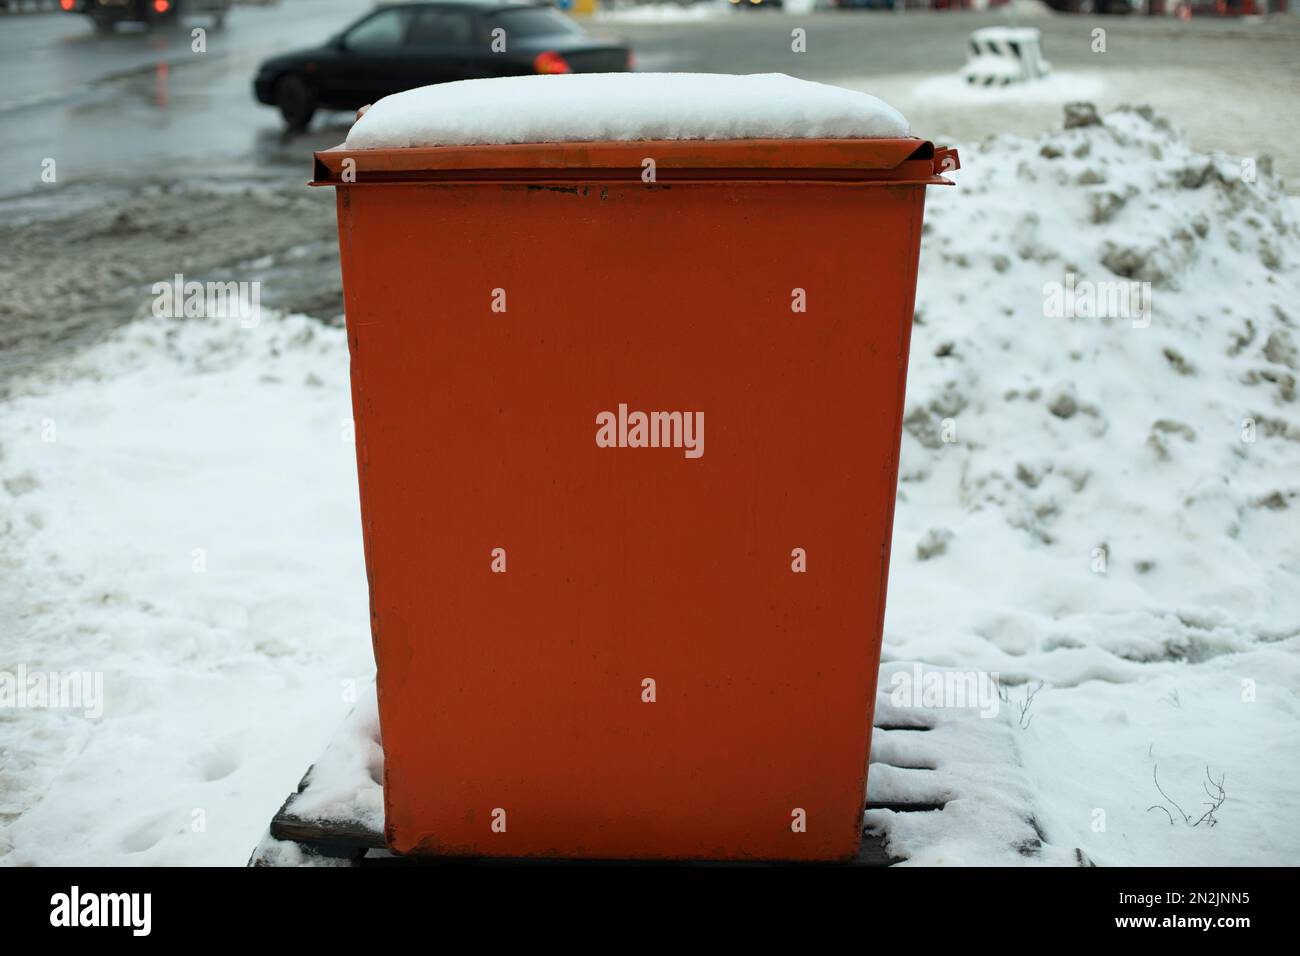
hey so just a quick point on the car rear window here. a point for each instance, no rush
(538, 22)
(384, 29)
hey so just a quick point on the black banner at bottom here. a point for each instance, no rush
(907, 907)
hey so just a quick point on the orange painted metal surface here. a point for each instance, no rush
(528, 579)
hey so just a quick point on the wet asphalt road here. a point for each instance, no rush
(139, 103)
(165, 163)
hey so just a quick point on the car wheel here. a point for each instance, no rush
(296, 100)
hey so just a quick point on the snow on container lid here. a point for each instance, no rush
(622, 107)
(593, 127)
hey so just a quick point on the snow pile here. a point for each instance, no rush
(1105, 503)
(589, 107)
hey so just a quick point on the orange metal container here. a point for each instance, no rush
(588, 648)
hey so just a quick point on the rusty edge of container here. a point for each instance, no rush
(864, 161)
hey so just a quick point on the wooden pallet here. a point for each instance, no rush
(354, 843)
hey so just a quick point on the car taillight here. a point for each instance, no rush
(551, 62)
(631, 61)
(67, 4)
(162, 6)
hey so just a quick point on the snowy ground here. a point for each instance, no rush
(1078, 512)
(221, 684)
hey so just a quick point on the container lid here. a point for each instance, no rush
(614, 126)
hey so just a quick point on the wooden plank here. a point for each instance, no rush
(327, 836)
(341, 834)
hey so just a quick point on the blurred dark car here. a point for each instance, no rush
(404, 46)
(108, 13)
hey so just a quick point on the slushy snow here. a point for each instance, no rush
(591, 107)
(1105, 513)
